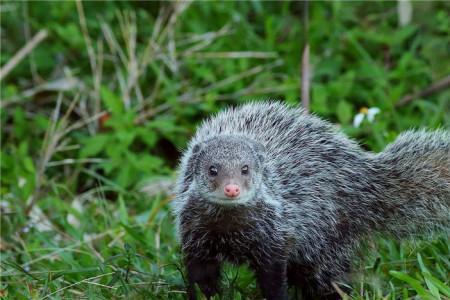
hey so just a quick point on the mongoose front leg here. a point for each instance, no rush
(272, 280)
(299, 276)
(206, 274)
(304, 278)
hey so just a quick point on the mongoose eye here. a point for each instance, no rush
(213, 171)
(244, 170)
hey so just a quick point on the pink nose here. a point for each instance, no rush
(231, 190)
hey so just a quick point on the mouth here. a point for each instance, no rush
(228, 201)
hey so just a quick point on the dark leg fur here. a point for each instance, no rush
(204, 273)
(272, 280)
(332, 296)
(302, 278)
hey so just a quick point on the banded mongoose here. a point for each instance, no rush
(286, 193)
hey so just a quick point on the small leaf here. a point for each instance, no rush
(28, 164)
(111, 101)
(148, 136)
(414, 283)
(433, 289)
(344, 112)
(445, 289)
(123, 214)
(319, 99)
(93, 145)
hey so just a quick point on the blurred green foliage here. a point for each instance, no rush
(105, 104)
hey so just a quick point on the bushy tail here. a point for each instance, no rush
(413, 183)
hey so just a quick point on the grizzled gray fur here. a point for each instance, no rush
(302, 197)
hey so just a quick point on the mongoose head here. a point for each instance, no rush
(228, 169)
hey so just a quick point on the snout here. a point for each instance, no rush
(231, 190)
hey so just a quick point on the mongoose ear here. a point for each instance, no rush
(192, 161)
(259, 150)
(197, 148)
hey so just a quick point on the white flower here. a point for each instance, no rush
(404, 12)
(365, 112)
(358, 119)
(71, 218)
(21, 182)
(39, 220)
(371, 113)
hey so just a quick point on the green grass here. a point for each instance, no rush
(103, 106)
